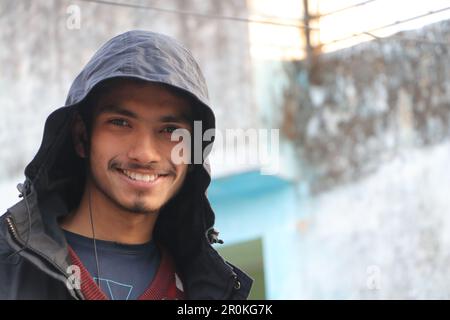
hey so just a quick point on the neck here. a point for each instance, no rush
(111, 222)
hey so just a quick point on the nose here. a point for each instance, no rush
(144, 149)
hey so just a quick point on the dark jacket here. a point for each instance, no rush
(33, 250)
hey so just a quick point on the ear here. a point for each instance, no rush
(79, 136)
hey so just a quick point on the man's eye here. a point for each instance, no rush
(169, 129)
(119, 122)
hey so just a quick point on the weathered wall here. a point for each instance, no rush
(362, 104)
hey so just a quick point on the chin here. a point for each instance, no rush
(143, 207)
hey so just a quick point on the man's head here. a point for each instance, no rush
(124, 132)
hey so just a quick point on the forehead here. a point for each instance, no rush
(143, 97)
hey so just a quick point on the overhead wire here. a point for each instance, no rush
(199, 15)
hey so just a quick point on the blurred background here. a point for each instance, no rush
(360, 91)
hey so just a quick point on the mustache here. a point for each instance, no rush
(161, 169)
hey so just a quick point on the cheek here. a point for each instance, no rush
(103, 149)
(177, 153)
(180, 168)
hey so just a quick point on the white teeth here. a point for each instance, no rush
(140, 177)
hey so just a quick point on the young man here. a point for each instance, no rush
(108, 211)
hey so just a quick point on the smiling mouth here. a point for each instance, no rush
(141, 177)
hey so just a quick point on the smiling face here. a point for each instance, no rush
(130, 146)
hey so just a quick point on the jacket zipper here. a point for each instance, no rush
(19, 241)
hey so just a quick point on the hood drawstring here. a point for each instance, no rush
(213, 236)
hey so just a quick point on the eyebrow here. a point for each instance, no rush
(183, 118)
(111, 108)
